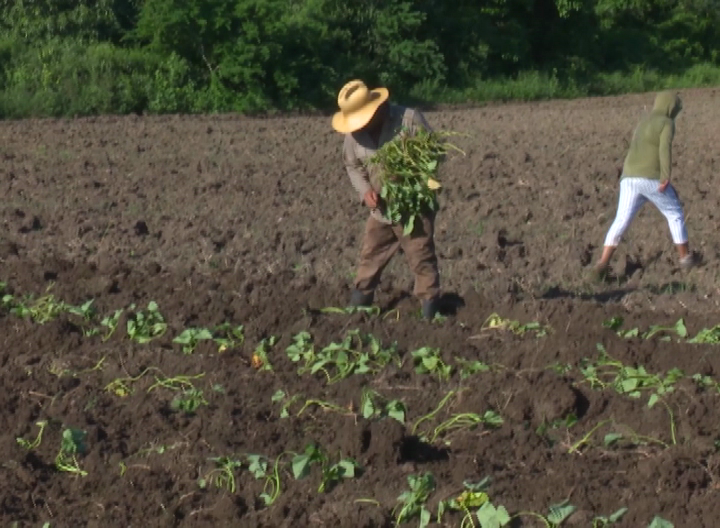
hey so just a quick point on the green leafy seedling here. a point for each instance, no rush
(413, 502)
(349, 310)
(223, 475)
(331, 475)
(428, 361)
(659, 522)
(301, 462)
(111, 323)
(87, 312)
(491, 516)
(558, 514)
(190, 337)
(281, 396)
(188, 401)
(258, 466)
(602, 522)
(301, 350)
(490, 419)
(72, 444)
(228, 336)
(371, 407)
(38, 439)
(260, 359)
(496, 322)
(355, 354)
(473, 496)
(46, 309)
(469, 368)
(6, 301)
(143, 327)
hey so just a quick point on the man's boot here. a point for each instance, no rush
(429, 308)
(359, 298)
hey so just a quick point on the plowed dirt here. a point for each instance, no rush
(253, 222)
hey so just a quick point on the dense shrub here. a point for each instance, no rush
(76, 57)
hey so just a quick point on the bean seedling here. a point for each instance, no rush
(111, 322)
(615, 324)
(143, 327)
(602, 521)
(260, 359)
(659, 522)
(413, 502)
(190, 337)
(612, 439)
(72, 444)
(188, 401)
(632, 381)
(349, 310)
(469, 421)
(333, 474)
(558, 514)
(281, 396)
(228, 336)
(258, 467)
(301, 462)
(356, 354)
(471, 367)
(223, 475)
(708, 336)
(38, 439)
(472, 496)
(87, 312)
(495, 322)
(121, 386)
(371, 409)
(41, 311)
(427, 361)
(326, 406)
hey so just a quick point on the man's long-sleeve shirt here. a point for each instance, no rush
(359, 147)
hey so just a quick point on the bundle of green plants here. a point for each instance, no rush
(408, 173)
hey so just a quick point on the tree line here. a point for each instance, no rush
(81, 57)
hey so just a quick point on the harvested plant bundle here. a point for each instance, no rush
(408, 167)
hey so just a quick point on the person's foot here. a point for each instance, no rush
(359, 298)
(599, 272)
(688, 261)
(429, 308)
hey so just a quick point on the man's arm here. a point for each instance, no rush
(666, 138)
(355, 169)
(419, 122)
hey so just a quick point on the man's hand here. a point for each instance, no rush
(371, 199)
(663, 186)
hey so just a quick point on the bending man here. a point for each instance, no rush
(369, 120)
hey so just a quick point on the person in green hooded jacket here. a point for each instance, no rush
(646, 178)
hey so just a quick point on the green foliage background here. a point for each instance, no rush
(81, 57)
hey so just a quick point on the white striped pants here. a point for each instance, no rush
(634, 192)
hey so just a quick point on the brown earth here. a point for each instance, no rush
(253, 222)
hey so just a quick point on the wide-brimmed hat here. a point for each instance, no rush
(357, 106)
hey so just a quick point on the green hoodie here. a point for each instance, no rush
(650, 154)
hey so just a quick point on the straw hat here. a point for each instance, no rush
(357, 106)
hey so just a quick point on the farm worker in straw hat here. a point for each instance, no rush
(369, 120)
(646, 177)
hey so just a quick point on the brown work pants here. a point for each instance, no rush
(381, 241)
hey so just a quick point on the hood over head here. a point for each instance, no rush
(668, 103)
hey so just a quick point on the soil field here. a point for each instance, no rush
(208, 384)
